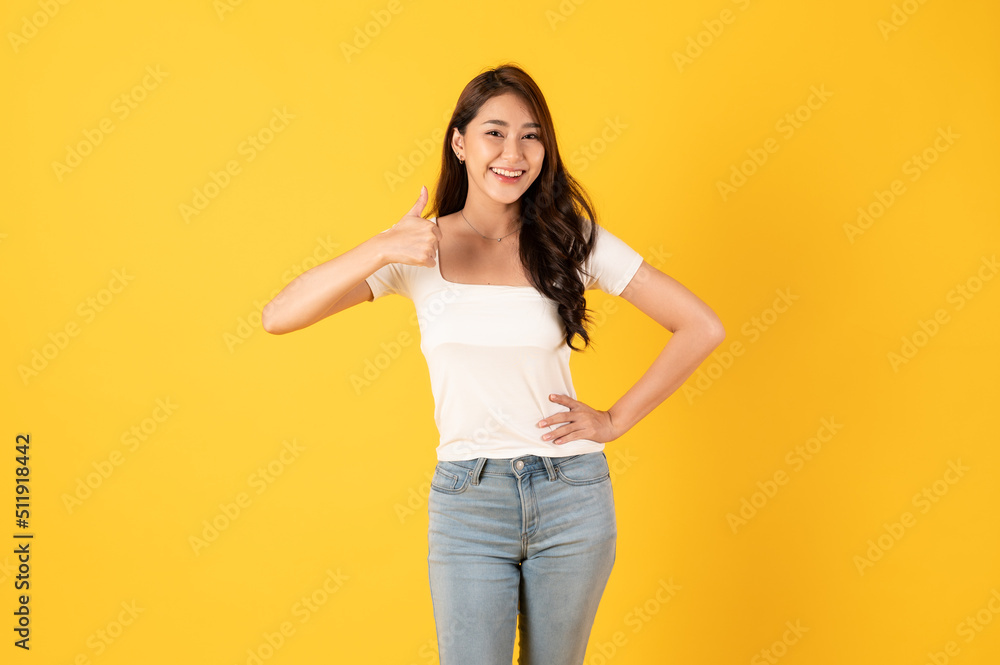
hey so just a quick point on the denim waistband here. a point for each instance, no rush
(513, 466)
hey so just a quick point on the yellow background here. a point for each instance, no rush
(183, 328)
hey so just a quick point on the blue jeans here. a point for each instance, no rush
(526, 541)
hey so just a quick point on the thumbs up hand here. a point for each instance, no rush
(412, 240)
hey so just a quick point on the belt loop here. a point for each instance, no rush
(477, 470)
(548, 467)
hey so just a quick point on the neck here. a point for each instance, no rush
(492, 219)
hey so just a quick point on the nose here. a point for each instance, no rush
(512, 149)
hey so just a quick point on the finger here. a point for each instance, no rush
(563, 399)
(435, 243)
(564, 435)
(570, 425)
(562, 430)
(557, 417)
(421, 203)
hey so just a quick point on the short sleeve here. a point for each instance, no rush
(612, 263)
(390, 278)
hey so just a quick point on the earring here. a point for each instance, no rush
(460, 160)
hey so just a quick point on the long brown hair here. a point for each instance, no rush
(555, 238)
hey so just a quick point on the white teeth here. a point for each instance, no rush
(509, 174)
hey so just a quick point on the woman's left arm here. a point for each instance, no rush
(697, 331)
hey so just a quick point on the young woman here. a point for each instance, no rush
(521, 511)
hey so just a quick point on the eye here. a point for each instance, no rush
(497, 132)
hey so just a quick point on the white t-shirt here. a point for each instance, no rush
(496, 352)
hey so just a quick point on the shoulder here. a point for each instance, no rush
(602, 237)
(611, 263)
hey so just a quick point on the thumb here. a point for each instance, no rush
(421, 203)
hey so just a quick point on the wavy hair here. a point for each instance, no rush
(555, 237)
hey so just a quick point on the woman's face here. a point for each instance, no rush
(503, 135)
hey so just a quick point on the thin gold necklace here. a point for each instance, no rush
(477, 230)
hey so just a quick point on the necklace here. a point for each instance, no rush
(477, 230)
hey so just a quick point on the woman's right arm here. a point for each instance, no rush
(339, 283)
(313, 295)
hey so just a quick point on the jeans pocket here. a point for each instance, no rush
(584, 469)
(450, 478)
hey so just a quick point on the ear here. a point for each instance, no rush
(457, 140)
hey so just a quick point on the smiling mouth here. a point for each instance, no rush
(507, 176)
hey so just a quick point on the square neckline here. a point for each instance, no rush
(502, 286)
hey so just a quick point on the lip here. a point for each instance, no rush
(505, 179)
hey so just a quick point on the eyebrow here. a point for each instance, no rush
(504, 123)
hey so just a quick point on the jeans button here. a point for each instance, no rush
(519, 464)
